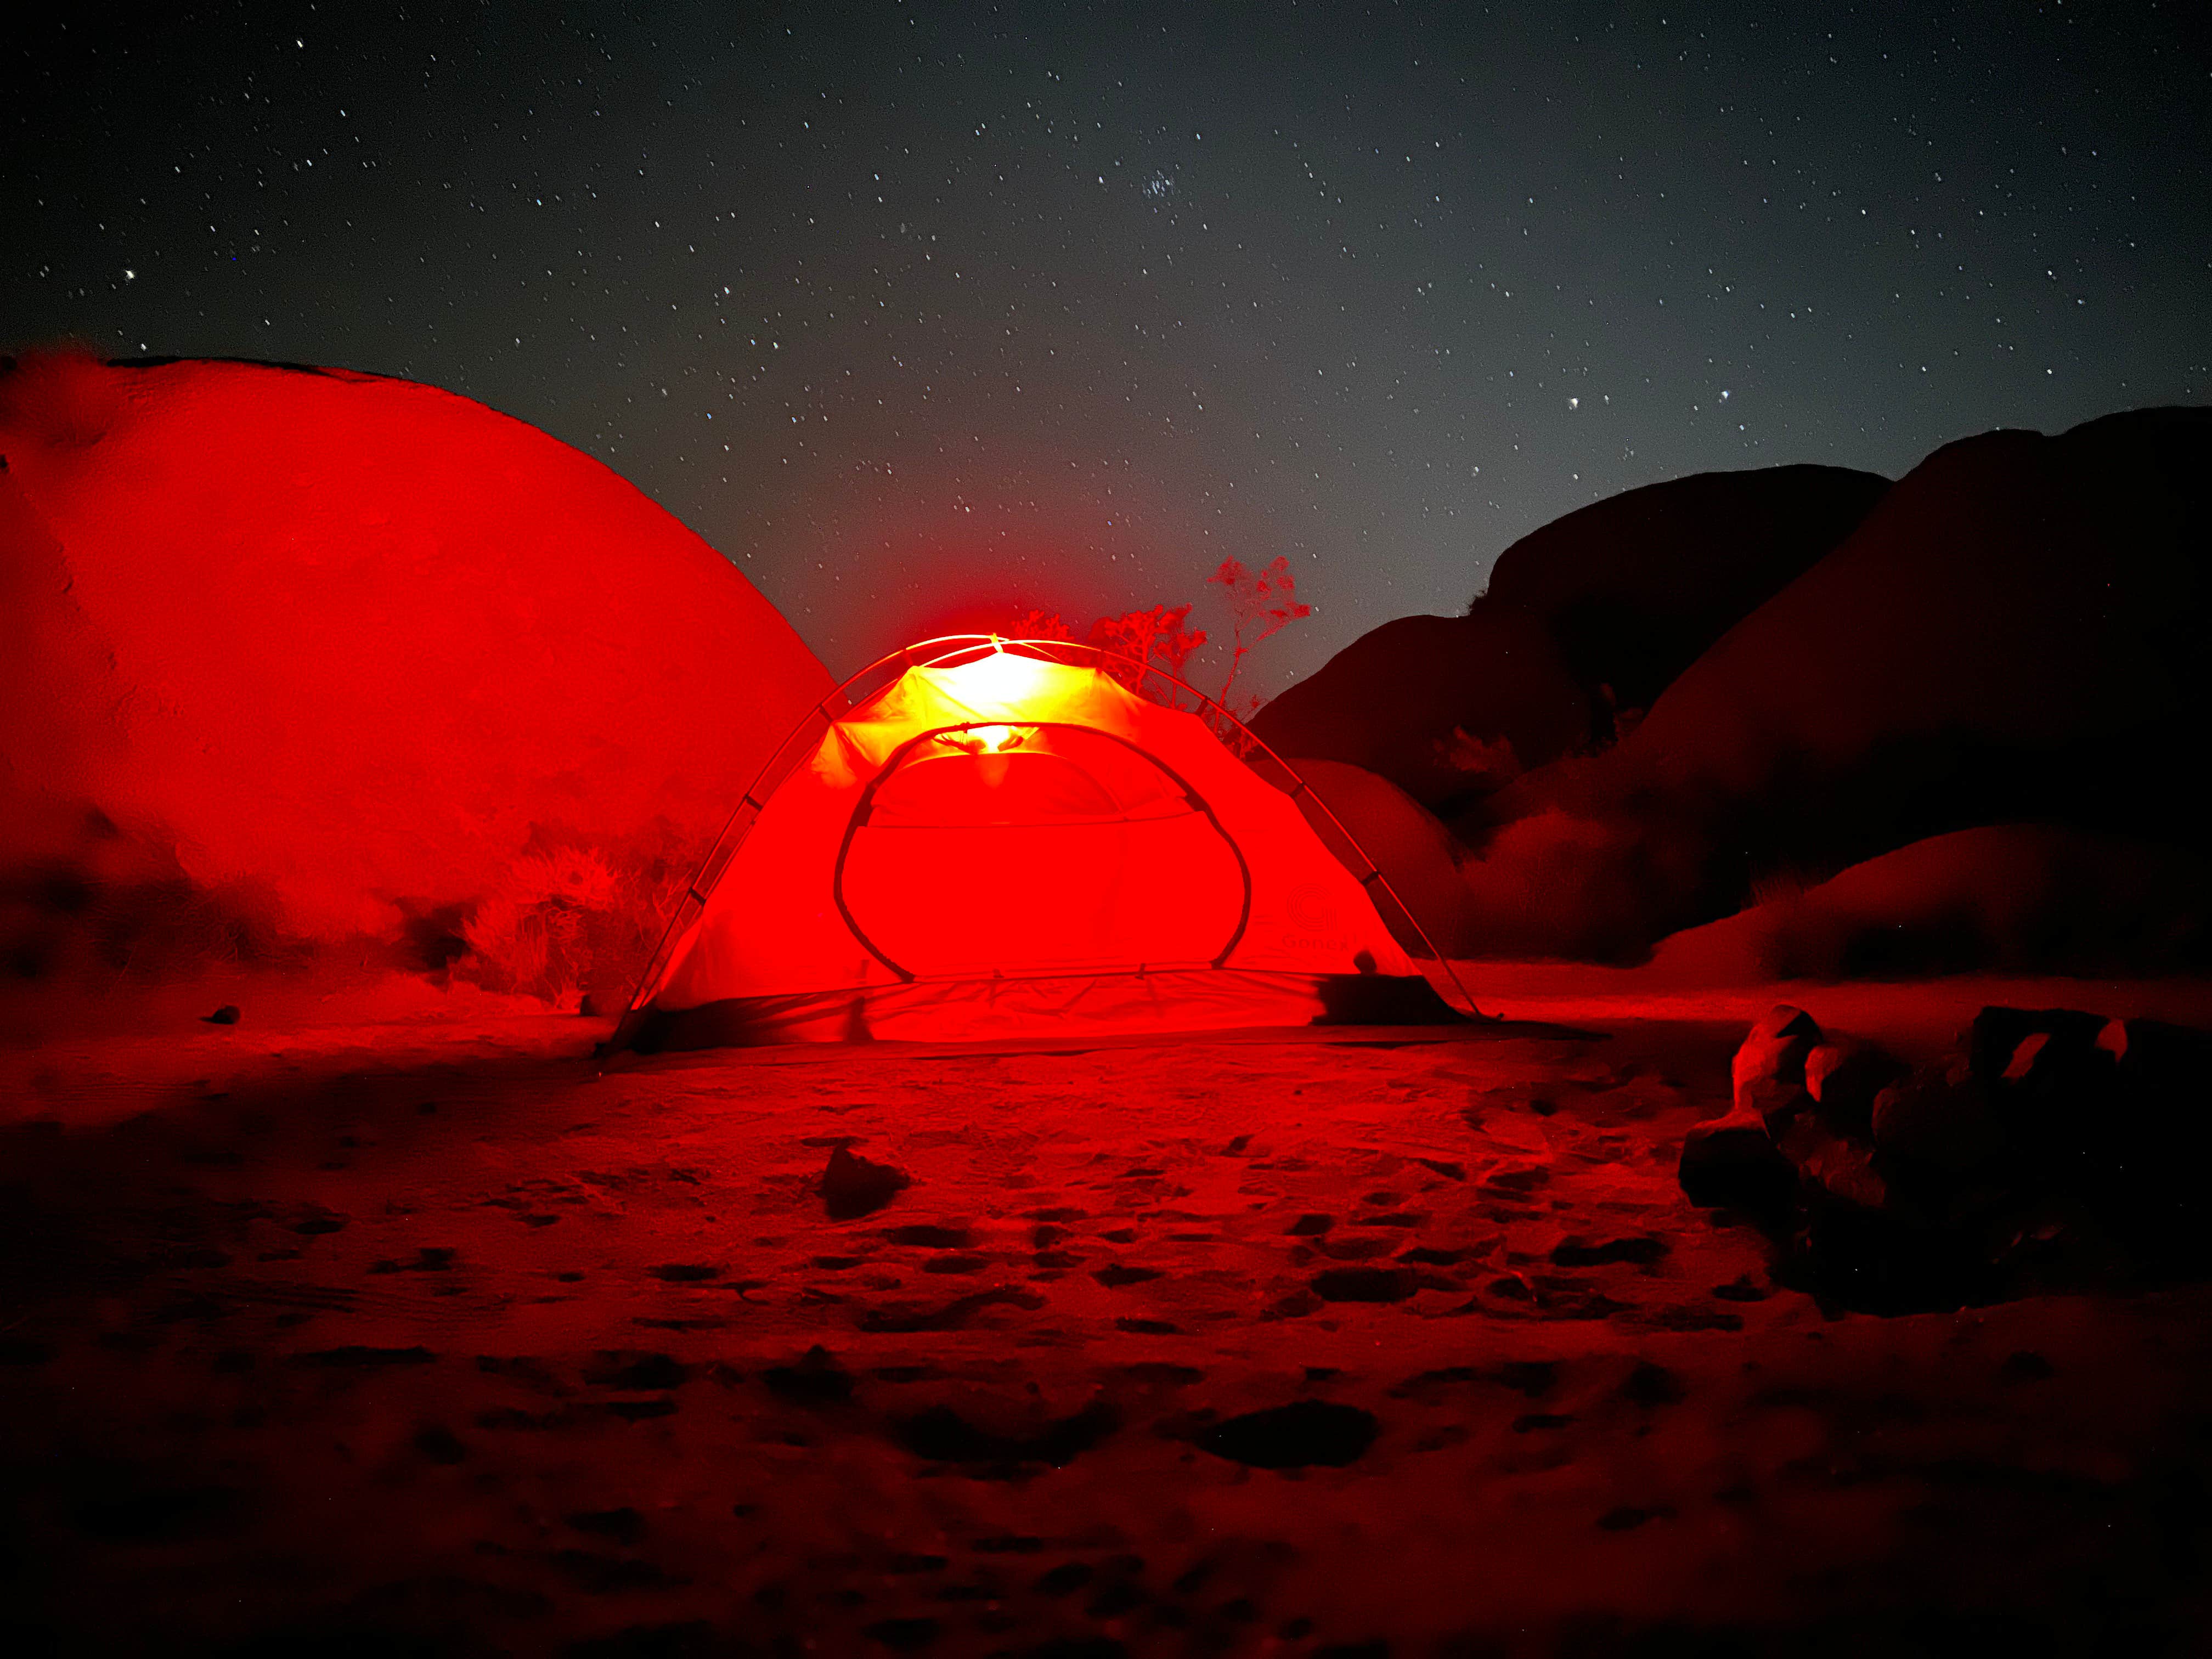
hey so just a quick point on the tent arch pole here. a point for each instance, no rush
(948, 651)
(897, 756)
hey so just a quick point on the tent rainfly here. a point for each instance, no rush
(1004, 840)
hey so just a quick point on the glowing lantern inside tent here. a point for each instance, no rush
(988, 739)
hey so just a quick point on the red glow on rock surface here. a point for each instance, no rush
(356, 640)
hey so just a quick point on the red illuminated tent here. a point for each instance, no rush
(1004, 839)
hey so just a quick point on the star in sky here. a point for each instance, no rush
(907, 308)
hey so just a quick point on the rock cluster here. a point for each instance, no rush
(1583, 624)
(1703, 691)
(2056, 1147)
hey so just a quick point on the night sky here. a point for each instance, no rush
(910, 310)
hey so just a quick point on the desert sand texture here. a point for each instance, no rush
(439, 1334)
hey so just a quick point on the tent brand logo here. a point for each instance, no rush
(1314, 919)
(1311, 908)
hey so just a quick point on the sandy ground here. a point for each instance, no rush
(431, 1336)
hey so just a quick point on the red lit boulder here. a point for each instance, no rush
(359, 656)
(1767, 1074)
(1584, 623)
(2012, 635)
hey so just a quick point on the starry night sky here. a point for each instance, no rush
(911, 310)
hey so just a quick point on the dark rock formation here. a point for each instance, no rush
(2056, 1150)
(2010, 897)
(1585, 620)
(2010, 635)
(1635, 588)
(1446, 708)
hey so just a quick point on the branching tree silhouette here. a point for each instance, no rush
(1259, 604)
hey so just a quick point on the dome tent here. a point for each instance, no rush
(978, 838)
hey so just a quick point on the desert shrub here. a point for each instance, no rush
(572, 918)
(1157, 636)
(1260, 602)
